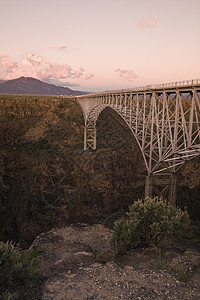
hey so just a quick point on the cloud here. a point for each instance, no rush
(34, 65)
(126, 74)
(148, 22)
(62, 83)
(89, 76)
(82, 70)
(59, 47)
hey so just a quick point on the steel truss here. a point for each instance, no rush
(165, 121)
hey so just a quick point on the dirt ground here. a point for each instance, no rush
(77, 264)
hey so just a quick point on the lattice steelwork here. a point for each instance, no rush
(165, 120)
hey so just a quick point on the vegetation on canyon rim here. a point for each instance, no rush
(148, 222)
(17, 267)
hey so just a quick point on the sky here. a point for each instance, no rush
(98, 45)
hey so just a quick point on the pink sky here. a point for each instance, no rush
(99, 45)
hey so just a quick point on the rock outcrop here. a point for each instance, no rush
(77, 263)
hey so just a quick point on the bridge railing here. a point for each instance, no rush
(178, 83)
(183, 83)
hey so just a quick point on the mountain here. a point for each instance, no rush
(33, 86)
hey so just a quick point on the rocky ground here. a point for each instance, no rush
(77, 264)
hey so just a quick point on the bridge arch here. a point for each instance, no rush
(164, 119)
(93, 117)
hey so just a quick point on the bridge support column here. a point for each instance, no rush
(162, 186)
(149, 186)
(85, 138)
(172, 190)
(90, 138)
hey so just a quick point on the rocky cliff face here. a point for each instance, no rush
(47, 180)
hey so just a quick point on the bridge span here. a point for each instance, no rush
(165, 121)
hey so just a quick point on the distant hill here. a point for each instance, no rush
(33, 86)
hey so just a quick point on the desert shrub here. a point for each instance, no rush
(148, 222)
(16, 266)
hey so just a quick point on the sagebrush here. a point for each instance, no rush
(148, 222)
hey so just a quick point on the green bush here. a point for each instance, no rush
(148, 222)
(16, 266)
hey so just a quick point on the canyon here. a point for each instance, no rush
(47, 180)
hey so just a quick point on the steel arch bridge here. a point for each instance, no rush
(165, 121)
